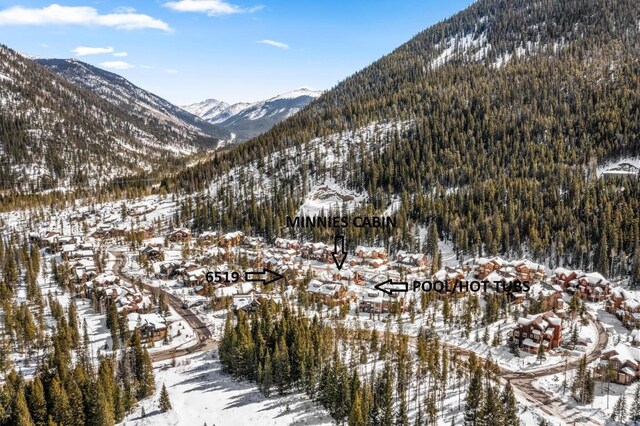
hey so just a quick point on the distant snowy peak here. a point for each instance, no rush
(247, 120)
(299, 93)
(215, 111)
(207, 108)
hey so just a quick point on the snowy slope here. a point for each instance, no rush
(60, 136)
(121, 92)
(215, 111)
(201, 394)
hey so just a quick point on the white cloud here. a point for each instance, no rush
(148, 67)
(124, 9)
(85, 51)
(116, 65)
(120, 54)
(172, 71)
(56, 14)
(278, 44)
(45, 45)
(210, 7)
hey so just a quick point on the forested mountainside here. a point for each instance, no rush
(246, 120)
(139, 102)
(506, 109)
(56, 135)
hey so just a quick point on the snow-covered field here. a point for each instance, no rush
(201, 394)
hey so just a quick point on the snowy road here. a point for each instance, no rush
(205, 337)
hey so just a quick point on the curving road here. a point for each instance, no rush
(205, 337)
(522, 383)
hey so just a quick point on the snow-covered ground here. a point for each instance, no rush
(201, 394)
(606, 395)
(328, 197)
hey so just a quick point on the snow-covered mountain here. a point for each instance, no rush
(147, 106)
(246, 120)
(55, 134)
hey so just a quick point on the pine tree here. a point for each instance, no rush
(37, 402)
(474, 399)
(541, 354)
(106, 382)
(142, 368)
(634, 414)
(21, 415)
(147, 385)
(75, 399)
(5, 347)
(104, 411)
(619, 413)
(574, 336)
(385, 392)
(356, 416)
(602, 259)
(165, 404)
(431, 410)
(227, 344)
(282, 366)
(60, 408)
(589, 389)
(578, 381)
(492, 411)
(402, 418)
(73, 324)
(510, 405)
(267, 376)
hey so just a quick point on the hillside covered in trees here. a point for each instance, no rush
(507, 108)
(55, 135)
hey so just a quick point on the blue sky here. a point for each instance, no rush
(190, 50)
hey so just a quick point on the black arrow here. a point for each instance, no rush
(403, 289)
(265, 281)
(343, 253)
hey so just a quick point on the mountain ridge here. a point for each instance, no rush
(248, 119)
(55, 135)
(121, 92)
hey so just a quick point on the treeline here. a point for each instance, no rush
(362, 377)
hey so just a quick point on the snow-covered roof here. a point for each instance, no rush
(524, 321)
(242, 300)
(226, 291)
(553, 320)
(135, 320)
(562, 271)
(624, 353)
(593, 277)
